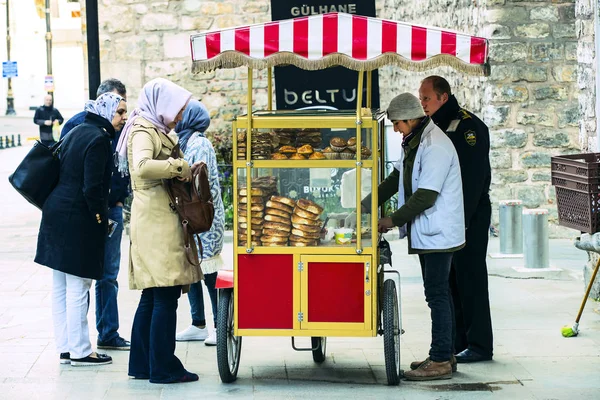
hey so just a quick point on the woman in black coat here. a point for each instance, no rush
(74, 226)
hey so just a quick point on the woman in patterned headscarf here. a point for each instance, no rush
(196, 147)
(74, 226)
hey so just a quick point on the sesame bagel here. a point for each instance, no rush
(303, 244)
(284, 200)
(279, 206)
(254, 207)
(275, 232)
(252, 243)
(296, 238)
(255, 200)
(253, 232)
(275, 218)
(309, 206)
(310, 235)
(256, 227)
(305, 221)
(307, 228)
(305, 214)
(277, 226)
(254, 221)
(279, 213)
(254, 191)
(242, 238)
(274, 244)
(271, 239)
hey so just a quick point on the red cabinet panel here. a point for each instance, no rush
(265, 291)
(336, 292)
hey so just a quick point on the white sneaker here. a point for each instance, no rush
(192, 333)
(211, 340)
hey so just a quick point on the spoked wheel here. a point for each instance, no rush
(319, 345)
(391, 333)
(229, 347)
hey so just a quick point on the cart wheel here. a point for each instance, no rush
(319, 344)
(391, 333)
(229, 347)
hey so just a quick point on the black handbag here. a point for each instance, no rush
(37, 175)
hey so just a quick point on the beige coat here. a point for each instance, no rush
(156, 257)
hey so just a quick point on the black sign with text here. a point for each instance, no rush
(335, 87)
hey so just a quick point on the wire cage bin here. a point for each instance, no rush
(576, 179)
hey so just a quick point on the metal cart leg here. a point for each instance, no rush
(229, 347)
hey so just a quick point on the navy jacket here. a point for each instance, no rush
(74, 217)
(119, 185)
(471, 139)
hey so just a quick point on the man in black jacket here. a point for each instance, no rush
(107, 312)
(46, 117)
(468, 276)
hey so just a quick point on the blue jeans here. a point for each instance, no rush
(435, 268)
(152, 353)
(107, 313)
(196, 298)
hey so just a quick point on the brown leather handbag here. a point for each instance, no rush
(193, 203)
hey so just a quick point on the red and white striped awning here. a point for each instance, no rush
(353, 41)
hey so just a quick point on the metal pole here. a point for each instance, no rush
(48, 45)
(511, 227)
(535, 238)
(93, 46)
(10, 101)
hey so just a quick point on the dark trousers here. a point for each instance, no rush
(196, 298)
(152, 353)
(469, 288)
(107, 288)
(435, 268)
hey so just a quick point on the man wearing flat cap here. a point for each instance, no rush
(431, 214)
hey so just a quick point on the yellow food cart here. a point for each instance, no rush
(306, 265)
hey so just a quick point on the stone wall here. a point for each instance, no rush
(141, 40)
(532, 98)
(531, 101)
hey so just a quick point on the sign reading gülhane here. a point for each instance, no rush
(332, 87)
(305, 10)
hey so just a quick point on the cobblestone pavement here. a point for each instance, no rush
(532, 360)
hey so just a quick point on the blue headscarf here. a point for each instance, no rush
(195, 119)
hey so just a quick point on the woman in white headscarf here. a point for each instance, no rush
(74, 226)
(157, 261)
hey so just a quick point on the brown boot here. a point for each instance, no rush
(416, 364)
(429, 371)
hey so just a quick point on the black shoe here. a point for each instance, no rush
(470, 356)
(117, 343)
(91, 360)
(65, 358)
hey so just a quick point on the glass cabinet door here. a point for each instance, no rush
(301, 207)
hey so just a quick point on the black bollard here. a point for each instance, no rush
(19, 139)
(1, 143)
(12, 141)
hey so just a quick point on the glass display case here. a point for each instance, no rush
(307, 171)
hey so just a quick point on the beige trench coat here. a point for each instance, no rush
(156, 257)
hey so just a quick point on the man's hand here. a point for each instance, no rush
(48, 122)
(385, 225)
